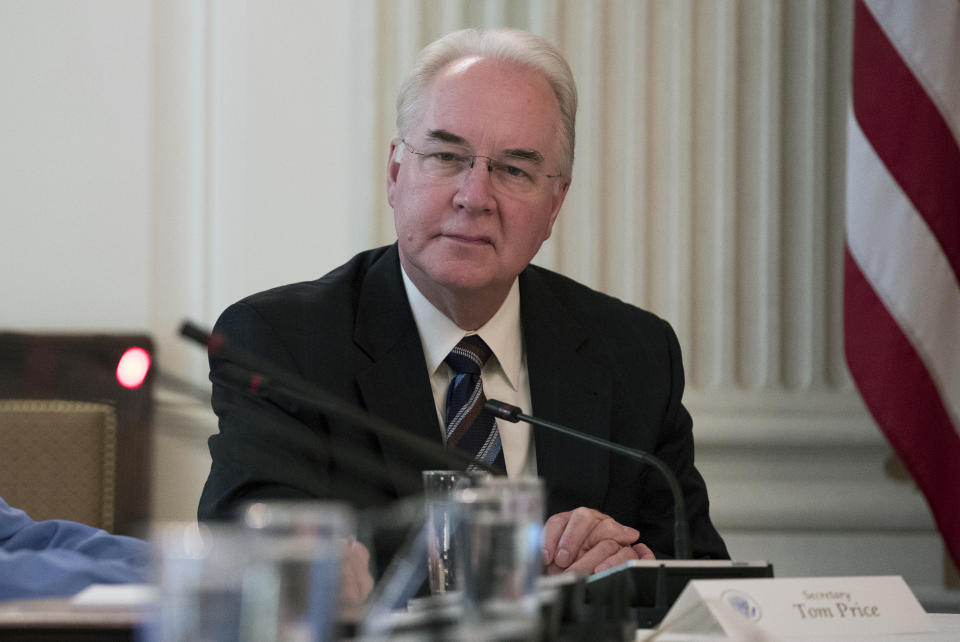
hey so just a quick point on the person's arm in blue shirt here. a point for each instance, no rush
(57, 558)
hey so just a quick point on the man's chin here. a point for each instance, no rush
(470, 283)
(459, 274)
(467, 278)
(468, 269)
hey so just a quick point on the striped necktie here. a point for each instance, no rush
(469, 427)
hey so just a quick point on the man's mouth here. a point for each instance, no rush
(468, 239)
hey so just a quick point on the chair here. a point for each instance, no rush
(58, 459)
(74, 377)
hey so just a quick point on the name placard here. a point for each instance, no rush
(784, 608)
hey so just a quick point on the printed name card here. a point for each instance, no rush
(795, 608)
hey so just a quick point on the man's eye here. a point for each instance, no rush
(514, 172)
(446, 157)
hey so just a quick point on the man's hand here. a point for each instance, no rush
(636, 552)
(609, 552)
(583, 539)
(355, 579)
(586, 541)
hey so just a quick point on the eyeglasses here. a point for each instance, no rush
(512, 174)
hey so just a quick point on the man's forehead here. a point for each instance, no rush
(475, 63)
(500, 105)
(461, 64)
(475, 77)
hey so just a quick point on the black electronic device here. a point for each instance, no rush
(644, 590)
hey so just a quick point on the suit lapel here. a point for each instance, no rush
(569, 388)
(396, 385)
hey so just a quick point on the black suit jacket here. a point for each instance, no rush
(595, 363)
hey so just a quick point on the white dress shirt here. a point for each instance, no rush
(504, 375)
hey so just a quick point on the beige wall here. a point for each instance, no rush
(163, 158)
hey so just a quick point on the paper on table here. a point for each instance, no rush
(116, 595)
(791, 608)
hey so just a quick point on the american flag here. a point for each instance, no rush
(902, 264)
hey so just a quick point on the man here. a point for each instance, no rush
(476, 177)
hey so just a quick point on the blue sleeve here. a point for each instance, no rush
(57, 558)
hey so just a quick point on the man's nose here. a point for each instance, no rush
(476, 186)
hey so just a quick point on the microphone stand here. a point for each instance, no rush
(261, 374)
(681, 531)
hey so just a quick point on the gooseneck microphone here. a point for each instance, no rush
(253, 375)
(681, 531)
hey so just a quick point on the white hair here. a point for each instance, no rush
(511, 45)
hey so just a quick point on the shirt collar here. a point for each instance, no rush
(438, 334)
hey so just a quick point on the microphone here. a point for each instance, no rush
(253, 374)
(681, 530)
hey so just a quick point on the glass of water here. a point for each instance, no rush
(443, 525)
(293, 584)
(199, 570)
(502, 557)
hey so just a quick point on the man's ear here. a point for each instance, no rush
(393, 168)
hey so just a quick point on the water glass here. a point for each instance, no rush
(502, 557)
(293, 581)
(443, 524)
(200, 571)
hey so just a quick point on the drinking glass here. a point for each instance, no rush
(294, 578)
(502, 557)
(199, 570)
(443, 525)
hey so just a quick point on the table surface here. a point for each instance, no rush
(70, 619)
(63, 612)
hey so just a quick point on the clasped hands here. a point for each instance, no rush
(585, 541)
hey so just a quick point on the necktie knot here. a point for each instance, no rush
(468, 356)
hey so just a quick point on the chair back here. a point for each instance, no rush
(51, 370)
(58, 459)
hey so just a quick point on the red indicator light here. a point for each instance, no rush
(133, 367)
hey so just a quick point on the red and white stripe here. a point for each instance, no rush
(902, 278)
